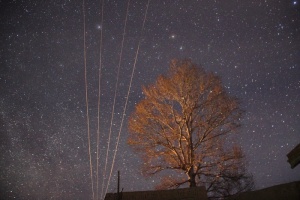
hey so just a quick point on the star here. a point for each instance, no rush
(98, 27)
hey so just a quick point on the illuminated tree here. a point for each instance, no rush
(185, 124)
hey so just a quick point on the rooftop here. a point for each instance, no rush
(294, 156)
(197, 193)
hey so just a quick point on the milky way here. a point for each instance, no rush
(254, 46)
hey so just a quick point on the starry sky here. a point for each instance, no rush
(253, 45)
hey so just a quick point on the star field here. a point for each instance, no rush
(254, 46)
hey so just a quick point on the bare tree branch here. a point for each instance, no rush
(183, 124)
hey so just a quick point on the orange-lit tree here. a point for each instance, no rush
(185, 125)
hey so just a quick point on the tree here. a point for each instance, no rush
(185, 125)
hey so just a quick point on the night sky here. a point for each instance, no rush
(254, 46)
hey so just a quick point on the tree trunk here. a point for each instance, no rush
(192, 177)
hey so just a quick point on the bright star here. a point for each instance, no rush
(173, 36)
(98, 27)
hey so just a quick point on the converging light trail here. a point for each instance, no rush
(87, 101)
(99, 95)
(127, 97)
(104, 177)
(115, 94)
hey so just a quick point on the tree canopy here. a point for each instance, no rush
(185, 124)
